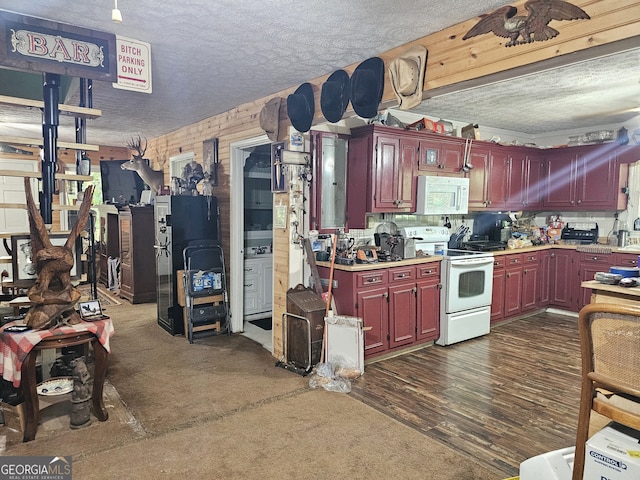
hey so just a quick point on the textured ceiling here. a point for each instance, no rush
(211, 55)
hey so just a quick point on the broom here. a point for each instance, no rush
(326, 313)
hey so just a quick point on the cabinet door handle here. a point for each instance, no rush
(415, 290)
(385, 295)
(579, 202)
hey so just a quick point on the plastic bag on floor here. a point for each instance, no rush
(323, 376)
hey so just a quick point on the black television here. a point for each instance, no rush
(119, 187)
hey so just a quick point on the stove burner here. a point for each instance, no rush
(484, 245)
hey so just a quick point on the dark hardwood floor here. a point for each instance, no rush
(500, 399)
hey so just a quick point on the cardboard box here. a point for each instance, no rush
(613, 454)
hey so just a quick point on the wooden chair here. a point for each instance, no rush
(610, 349)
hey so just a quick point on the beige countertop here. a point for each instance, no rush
(359, 267)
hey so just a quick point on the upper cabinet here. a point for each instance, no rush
(381, 174)
(329, 189)
(488, 178)
(440, 155)
(584, 178)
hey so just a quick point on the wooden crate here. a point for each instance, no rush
(14, 416)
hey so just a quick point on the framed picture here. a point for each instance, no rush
(278, 169)
(210, 159)
(23, 266)
(178, 162)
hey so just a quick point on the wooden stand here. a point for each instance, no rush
(31, 403)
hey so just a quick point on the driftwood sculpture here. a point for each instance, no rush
(153, 178)
(53, 297)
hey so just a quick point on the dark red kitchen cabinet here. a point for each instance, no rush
(590, 264)
(402, 306)
(372, 307)
(487, 179)
(380, 174)
(497, 179)
(439, 155)
(497, 294)
(544, 278)
(402, 312)
(428, 301)
(386, 173)
(479, 158)
(597, 178)
(524, 189)
(626, 259)
(513, 285)
(530, 281)
(560, 179)
(584, 178)
(563, 279)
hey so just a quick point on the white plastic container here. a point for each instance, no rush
(556, 465)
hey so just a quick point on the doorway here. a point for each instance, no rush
(251, 240)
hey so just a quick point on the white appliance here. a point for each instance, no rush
(465, 298)
(442, 196)
(467, 285)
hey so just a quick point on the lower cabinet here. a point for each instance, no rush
(516, 285)
(497, 294)
(588, 265)
(258, 286)
(399, 306)
(513, 285)
(530, 281)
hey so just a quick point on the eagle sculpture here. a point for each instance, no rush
(52, 296)
(526, 29)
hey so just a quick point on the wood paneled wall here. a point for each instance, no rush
(451, 62)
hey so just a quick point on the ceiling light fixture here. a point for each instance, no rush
(116, 16)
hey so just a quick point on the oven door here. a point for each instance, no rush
(468, 283)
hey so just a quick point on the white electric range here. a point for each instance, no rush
(467, 284)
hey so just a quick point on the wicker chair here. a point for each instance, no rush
(610, 348)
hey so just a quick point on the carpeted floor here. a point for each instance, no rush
(105, 296)
(220, 409)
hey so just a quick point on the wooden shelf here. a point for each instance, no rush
(59, 176)
(23, 206)
(38, 141)
(71, 110)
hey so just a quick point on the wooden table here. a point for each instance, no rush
(20, 351)
(603, 293)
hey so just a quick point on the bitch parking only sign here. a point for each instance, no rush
(134, 65)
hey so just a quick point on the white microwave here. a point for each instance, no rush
(442, 196)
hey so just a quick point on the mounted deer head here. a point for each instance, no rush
(153, 178)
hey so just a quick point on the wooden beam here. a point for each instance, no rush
(70, 110)
(38, 141)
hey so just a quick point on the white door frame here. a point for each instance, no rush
(236, 226)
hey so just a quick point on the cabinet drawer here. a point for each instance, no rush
(403, 274)
(431, 270)
(598, 258)
(532, 257)
(374, 277)
(626, 260)
(498, 262)
(512, 260)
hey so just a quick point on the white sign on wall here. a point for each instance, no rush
(133, 64)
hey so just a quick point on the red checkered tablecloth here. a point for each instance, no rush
(16, 346)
